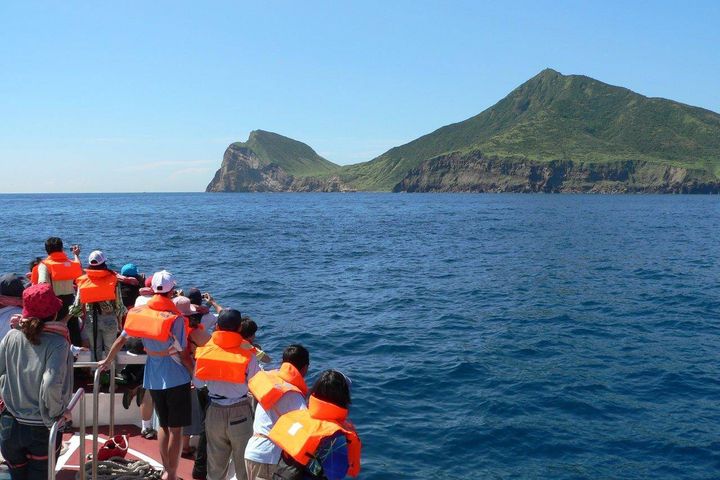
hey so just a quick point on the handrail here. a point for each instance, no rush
(96, 408)
(79, 394)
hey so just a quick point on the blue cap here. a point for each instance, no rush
(129, 270)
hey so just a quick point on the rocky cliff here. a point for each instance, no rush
(478, 173)
(242, 170)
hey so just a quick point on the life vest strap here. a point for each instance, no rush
(158, 353)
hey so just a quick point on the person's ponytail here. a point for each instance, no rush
(32, 328)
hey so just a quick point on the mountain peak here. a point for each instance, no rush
(548, 72)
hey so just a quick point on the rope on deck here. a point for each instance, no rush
(119, 468)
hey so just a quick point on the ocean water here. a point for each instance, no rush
(487, 336)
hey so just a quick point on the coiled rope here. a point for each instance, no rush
(119, 468)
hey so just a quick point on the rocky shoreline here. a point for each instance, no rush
(243, 171)
(479, 173)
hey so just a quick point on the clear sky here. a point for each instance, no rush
(146, 96)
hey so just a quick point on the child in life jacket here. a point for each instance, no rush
(248, 330)
(277, 392)
(99, 302)
(320, 442)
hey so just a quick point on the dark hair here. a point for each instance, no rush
(195, 320)
(248, 327)
(296, 355)
(195, 296)
(35, 261)
(53, 244)
(332, 387)
(32, 328)
(102, 266)
(229, 320)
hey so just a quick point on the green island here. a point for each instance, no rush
(553, 133)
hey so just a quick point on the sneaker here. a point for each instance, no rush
(148, 433)
(64, 446)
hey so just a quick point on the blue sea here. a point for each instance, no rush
(487, 336)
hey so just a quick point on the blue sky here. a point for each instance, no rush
(146, 96)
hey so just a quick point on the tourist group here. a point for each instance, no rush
(204, 374)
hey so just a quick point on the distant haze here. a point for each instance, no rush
(146, 96)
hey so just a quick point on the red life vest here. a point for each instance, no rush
(152, 321)
(61, 267)
(224, 358)
(269, 387)
(300, 432)
(97, 286)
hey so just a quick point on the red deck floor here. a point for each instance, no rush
(148, 448)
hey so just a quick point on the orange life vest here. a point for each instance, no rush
(97, 286)
(268, 387)
(35, 275)
(152, 321)
(224, 358)
(300, 432)
(61, 267)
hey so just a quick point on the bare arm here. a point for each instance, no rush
(210, 300)
(43, 273)
(116, 346)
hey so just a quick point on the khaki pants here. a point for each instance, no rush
(228, 429)
(259, 471)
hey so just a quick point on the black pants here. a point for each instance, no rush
(173, 406)
(200, 468)
(73, 323)
(25, 448)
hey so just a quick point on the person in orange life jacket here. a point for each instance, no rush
(248, 331)
(167, 376)
(277, 393)
(319, 443)
(59, 271)
(36, 380)
(208, 320)
(225, 364)
(197, 337)
(99, 301)
(136, 294)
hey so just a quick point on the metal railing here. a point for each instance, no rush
(79, 397)
(96, 408)
(59, 423)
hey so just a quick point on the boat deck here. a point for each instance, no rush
(140, 448)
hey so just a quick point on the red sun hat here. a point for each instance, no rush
(39, 301)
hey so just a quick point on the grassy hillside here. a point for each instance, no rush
(558, 117)
(296, 158)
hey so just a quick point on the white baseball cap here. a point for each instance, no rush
(97, 258)
(163, 282)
